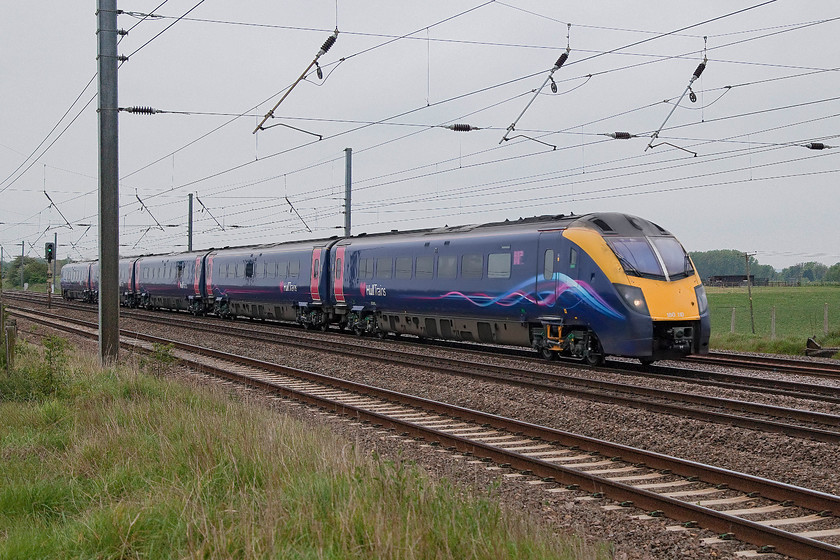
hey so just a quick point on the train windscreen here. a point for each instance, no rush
(673, 256)
(638, 257)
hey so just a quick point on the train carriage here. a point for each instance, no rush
(585, 286)
(172, 281)
(127, 282)
(75, 281)
(282, 281)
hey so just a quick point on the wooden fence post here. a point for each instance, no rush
(732, 322)
(773, 324)
(10, 333)
(825, 320)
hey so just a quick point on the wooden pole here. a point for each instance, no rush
(10, 333)
(825, 320)
(749, 291)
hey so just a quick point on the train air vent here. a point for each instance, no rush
(662, 230)
(601, 224)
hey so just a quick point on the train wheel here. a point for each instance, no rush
(547, 354)
(325, 327)
(359, 330)
(646, 362)
(594, 354)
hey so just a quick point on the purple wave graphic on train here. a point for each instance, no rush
(577, 292)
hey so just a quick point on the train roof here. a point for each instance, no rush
(606, 223)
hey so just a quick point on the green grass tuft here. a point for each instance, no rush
(119, 464)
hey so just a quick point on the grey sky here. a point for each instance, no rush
(409, 67)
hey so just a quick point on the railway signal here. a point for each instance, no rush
(49, 251)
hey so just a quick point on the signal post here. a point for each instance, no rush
(49, 253)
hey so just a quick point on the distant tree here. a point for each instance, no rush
(34, 271)
(806, 272)
(833, 273)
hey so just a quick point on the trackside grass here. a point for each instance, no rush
(800, 313)
(121, 464)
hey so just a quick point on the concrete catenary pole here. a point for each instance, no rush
(22, 253)
(108, 183)
(348, 181)
(189, 226)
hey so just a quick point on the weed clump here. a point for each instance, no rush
(36, 376)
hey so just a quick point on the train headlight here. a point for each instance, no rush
(702, 301)
(633, 297)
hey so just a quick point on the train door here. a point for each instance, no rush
(548, 267)
(338, 281)
(314, 274)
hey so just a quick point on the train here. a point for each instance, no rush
(583, 286)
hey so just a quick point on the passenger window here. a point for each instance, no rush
(403, 267)
(316, 268)
(447, 266)
(249, 270)
(548, 268)
(498, 265)
(383, 267)
(366, 268)
(337, 269)
(573, 258)
(425, 267)
(472, 266)
(294, 267)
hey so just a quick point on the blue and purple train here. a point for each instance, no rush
(583, 286)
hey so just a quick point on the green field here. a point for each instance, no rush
(126, 464)
(800, 314)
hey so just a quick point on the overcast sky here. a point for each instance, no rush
(397, 75)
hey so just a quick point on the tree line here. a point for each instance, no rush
(34, 271)
(726, 262)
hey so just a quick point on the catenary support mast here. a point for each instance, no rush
(108, 183)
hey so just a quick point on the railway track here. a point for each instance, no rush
(773, 516)
(770, 363)
(793, 422)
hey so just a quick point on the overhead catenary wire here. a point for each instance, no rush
(481, 90)
(252, 125)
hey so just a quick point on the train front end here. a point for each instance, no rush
(662, 298)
